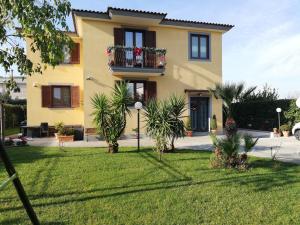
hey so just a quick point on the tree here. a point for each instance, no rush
(266, 94)
(293, 113)
(39, 21)
(164, 121)
(110, 114)
(231, 93)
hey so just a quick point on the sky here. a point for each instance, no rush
(262, 48)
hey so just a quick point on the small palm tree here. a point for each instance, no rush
(110, 115)
(231, 93)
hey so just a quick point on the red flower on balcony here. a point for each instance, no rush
(137, 51)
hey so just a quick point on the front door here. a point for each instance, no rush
(199, 113)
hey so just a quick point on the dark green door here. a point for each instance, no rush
(199, 113)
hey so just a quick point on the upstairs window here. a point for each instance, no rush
(199, 46)
(72, 56)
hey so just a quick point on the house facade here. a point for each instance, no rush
(155, 55)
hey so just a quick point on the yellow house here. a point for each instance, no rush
(124, 44)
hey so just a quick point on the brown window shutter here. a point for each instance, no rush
(75, 54)
(46, 96)
(150, 41)
(119, 40)
(151, 90)
(75, 97)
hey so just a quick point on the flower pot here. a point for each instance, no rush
(64, 138)
(189, 133)
(286, 133)
(213, 131)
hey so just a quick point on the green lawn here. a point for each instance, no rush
(88, 186)
(11, 131)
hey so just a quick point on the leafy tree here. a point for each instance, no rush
(164, 121)
(110, 114)
(266, 94)
(39, 21)
(231, 93)
(293, 113)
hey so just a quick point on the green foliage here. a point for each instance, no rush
(110, 114)
(230, 93)
(227, 149)
(14, 114)
(266, 94)
(164, 121)
(62, 130)
(249, 142)
(213, 123)
(285, 127)
(261, 115)
(188, 123)
(292, 115)
(41, 22)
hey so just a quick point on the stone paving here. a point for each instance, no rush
(286, 149)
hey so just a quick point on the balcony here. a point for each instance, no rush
(133, 61)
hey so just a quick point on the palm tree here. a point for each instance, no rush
(110, 115)
(231, 93)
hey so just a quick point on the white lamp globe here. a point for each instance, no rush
(298, 102)
(278, 110)
(138, 105)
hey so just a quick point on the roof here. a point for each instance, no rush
(154, 15)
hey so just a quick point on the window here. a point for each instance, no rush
(136, 90)
(199, 46)
(71, 56)
(67, 55)
(133, 38)
(61, 96)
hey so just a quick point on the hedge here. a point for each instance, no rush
(260, 115)
(13, 115)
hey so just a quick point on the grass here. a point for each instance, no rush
(11, 131)
(89, 186)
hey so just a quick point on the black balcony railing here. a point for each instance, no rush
(152, 58)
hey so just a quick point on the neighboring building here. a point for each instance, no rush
(21, 93)
(193, 64)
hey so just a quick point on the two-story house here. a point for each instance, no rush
(157, 56)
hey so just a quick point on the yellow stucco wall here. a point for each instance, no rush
(95, 37)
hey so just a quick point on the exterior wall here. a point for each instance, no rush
(96, 36)
(60, 75)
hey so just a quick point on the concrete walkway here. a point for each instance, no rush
(286, 149)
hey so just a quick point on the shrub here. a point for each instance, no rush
(60, 128)
(293, 113)
(188, 123)
(285, 127)
(213, 123)
(14, 115)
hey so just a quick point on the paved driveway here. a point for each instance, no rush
(287, 149)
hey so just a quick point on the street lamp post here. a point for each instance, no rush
(278, 110)
(138, 106)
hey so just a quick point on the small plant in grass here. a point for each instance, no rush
(213, 124)
(60, 128)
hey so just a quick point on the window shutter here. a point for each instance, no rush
(75, 97)
(46, 96)
(119, 40)
(150, 92)
(150, 41)
(75, 53)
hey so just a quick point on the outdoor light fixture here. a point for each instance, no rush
(35, 84)
(298, 102)
(278, 110)
(138, 106)
(89, 78)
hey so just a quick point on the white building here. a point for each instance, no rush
(21, 84)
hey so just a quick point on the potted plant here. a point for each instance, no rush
(64, 134)
(285, 129)
(135, 130)
(213, 125)
(188, 127)
(59, 126)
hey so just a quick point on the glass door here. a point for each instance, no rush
(134, 58)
